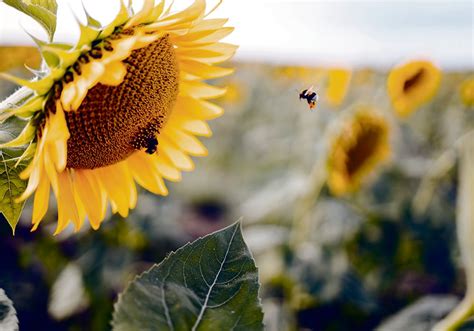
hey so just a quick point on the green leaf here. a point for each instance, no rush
(210, 284)
(11, 185)
(43, 11)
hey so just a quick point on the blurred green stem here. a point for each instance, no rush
(16, 98)
(465, 234)
(302, 225)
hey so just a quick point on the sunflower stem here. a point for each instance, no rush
(16, 98)
(465, 235)
(301, 226)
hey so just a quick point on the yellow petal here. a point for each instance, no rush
(120, 19)
(145, 173)
(122, 48)
(179, 159)
(142, 15)
(40, 203)
(50, 169)
(214, 53)
(209, 24)
(200, 90)
(37, 158)
(196, 127)
(114, 74)
(28, 153)
(67, 96)
(67, 207)
(117, 181)
(90, 196)
(204, 70)
(33, 182)
(184, 141)
(147, 40)
(198, 109)
(203, 37)
(166, 168)
(156, 12)
(189, 14)
(94, 179)
(91, 73)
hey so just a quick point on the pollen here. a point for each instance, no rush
(114, 121)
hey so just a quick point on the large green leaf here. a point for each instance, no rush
(43, 11)
(11, 186)
(210, 284)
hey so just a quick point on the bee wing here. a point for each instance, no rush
(309, 90)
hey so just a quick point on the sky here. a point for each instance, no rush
(341, 32)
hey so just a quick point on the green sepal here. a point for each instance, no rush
(90, 20)
(41, 86)
(66, 57)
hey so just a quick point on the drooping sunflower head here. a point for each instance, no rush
(121, 106)
(337, 85)
(467, 92)
(355, 151)
(411, 85)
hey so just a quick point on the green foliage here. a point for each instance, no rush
(210, 284)
(11, 185)
(42, 11)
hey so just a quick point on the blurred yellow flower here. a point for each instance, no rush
(356, 150)
(363, 76)
(95, 120)
(234, 92)
(337, 85)
(412, 85)
(467, 92)
(16, 56)
(305, 75)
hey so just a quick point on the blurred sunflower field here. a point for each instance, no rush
(358, 214)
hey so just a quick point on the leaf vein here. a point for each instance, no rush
(204, 306)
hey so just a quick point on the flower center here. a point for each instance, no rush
(364, 148)
(114, 121)
(413, 80)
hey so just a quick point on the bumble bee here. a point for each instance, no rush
(310, 96)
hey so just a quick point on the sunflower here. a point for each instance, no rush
(13, 57)
(337, 85)
(412, 85)
(123, 105)
(467, 92)
(360, 145)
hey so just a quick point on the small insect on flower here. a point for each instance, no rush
(310, 96)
